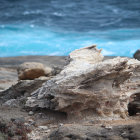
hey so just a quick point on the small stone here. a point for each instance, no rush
(92, 122)
(11, 103)
(31, 113)
(13, 119)
(61, 124)
(123, 134)
(47, 131)
(26, 124)
(137, 114)
(103, 125)
(32, 70)
(108, 127)
(43, 127)
(20, 120)
(30, 120)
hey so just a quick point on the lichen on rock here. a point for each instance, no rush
(89, 86)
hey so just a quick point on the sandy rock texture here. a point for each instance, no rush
(89, 86)
(32, 70)
(93, 132)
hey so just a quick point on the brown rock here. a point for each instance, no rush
(32, 70)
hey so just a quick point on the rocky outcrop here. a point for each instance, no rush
(137, 55)
(23, 87)
(32, 70)
(90, 87)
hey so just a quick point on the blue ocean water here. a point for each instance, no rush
(57, 27)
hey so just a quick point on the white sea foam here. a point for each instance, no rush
(2, 26)
(41, 41)
(58, 14)
(32, 25)
(3, 44)
(105, 52)
(32, 12)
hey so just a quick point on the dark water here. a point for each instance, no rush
(56, 27)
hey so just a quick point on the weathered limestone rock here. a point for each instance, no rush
(32, 70)
(89, 86)
(21, 88)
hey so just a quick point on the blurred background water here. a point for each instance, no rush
(56, 27)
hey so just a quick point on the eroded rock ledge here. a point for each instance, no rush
(89, 86)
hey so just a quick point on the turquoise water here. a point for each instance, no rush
(57, 27)
(31, 40)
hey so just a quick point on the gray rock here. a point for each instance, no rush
(18, 120)
(23, 87)
(82, 132)
(31, 113)
(43, 127)
(137, 55)
(32, 70)
(11, 103)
